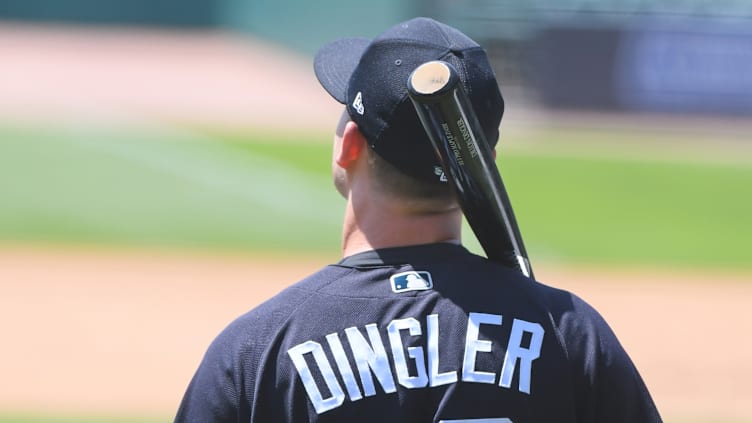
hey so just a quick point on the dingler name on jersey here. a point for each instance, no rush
(370, 359)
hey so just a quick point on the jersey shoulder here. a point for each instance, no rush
(269, 316)
(607, 384)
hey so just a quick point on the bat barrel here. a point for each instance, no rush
(453, 128)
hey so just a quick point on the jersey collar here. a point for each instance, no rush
(414, 254)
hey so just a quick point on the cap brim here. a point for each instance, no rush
(335, 63)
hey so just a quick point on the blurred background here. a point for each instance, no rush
(164, 167)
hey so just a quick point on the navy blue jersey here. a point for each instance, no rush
(418, 334)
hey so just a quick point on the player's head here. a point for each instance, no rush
(370, 78)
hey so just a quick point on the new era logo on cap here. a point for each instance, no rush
(411, 281)
(358, 104)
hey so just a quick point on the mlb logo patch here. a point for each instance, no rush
(411, 281)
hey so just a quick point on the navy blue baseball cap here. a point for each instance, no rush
(370, 78)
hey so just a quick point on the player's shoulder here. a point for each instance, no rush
(256, 326)
(497, 282)
(567, 311)
(579, 324)
(281, 305)
(563, 304)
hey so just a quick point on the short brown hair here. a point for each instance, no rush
(392, 180)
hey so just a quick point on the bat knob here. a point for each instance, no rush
(432, 78)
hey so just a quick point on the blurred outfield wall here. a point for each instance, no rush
(298, 24)
(664, 56)
(661, 56)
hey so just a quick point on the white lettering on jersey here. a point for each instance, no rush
(436, 378)
(371, 359)
(515, 351)
(344, 367)
(320, 403)
(416, 353)
(473, 346)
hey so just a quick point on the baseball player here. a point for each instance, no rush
(409, 326)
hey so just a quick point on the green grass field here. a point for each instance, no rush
(171, 187)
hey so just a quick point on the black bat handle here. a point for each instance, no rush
(453, 128)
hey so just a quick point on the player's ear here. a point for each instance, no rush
(493, 153)
(352, 146)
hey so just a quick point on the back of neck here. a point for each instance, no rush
(374, 226)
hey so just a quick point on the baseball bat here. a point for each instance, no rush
(447, 116)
